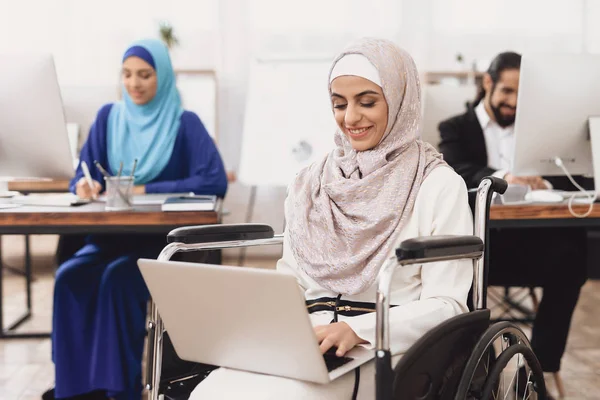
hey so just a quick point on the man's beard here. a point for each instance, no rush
(502, 120)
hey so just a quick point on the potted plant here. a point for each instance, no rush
(167, 35)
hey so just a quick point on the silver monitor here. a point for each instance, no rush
(558, 94)
(33, 134)
(82, 103)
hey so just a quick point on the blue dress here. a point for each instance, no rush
(100, 298)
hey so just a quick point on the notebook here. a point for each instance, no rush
(190, 203)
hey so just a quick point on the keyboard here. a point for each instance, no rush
(332, 361)
(578, 194)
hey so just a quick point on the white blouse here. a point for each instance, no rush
(425, 295)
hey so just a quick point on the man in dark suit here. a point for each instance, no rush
(479, 143)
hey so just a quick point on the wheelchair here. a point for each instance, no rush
(465, 357)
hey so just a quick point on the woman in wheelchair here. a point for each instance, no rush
(347, 213)
(100, 298)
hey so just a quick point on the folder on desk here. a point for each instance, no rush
(190, 203)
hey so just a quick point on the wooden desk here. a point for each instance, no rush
(39, 186)
(542, 215)
(89, 218)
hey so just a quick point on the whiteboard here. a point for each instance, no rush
(288, 121)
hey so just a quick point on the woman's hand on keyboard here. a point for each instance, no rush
(536, 182)
(338, 334)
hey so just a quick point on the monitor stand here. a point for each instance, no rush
(594, 129)
(594, 126)
(5, 193)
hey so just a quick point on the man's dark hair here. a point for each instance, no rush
(502, 62)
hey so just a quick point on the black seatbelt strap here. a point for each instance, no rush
(356, 383)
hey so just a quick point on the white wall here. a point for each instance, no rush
(480, 29)
(87, 37)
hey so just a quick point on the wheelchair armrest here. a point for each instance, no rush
(498, 185)
(426, 249)
(219, 233)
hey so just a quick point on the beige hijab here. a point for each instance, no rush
(345, 213)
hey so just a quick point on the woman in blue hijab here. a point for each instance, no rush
(100, 298)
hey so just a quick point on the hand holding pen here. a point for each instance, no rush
(86, 187)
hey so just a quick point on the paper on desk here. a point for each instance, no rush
(8, 194)
(8, 205)
(51, 200)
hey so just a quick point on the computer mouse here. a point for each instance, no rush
(544, 196)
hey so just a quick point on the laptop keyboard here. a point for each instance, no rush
(333, 362)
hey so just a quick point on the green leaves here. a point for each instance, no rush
(167, 35)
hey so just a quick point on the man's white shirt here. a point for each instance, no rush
(499, 142)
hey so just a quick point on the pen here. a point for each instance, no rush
(133, 169)
(132, 176)
(101, 169)
(107, 176)
(88, 177)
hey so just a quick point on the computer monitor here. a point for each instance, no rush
(33, 134)
(81, 104)
(558, 94)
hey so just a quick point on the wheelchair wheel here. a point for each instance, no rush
(502, 366)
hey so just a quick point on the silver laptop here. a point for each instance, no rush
(242, 318)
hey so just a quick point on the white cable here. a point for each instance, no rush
(592, 198)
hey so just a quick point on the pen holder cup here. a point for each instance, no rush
(118, 193)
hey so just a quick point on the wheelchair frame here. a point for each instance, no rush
(412, 251)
